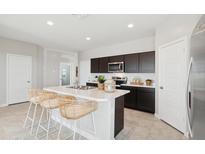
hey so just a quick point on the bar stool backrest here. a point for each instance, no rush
(52, 100)
(34, 92)
(77, 109)
(65, 99)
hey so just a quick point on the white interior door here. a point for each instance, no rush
(19, 70)
(172, 84)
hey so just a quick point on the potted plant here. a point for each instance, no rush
(101, 80)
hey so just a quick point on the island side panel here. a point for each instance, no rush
(119, 114)
(103, 119)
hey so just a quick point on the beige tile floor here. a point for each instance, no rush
(145, 126)
(138, 125)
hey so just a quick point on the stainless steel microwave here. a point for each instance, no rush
(116, 67)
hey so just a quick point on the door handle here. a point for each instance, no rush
(28, 81)
(161, 87)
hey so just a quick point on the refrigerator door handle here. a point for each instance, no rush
(187, 97)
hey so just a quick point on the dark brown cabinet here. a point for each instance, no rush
(131, 63)
(146, 99)
(130, 98)
(147, 62)
(94, 65)
(140, 98)
(119, 114)
(116, 59)
(103, 65)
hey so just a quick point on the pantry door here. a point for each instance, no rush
(19, 69)
(172, 83)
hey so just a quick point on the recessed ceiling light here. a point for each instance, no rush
(50, 23)
(88, 38)
(130, 25)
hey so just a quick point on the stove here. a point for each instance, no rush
(119, 80)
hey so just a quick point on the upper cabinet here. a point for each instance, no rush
(94, 65)
(131, 63)
(103, 65)
(116, 59)
(147, 62)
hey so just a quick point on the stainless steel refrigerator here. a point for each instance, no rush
(196, 83)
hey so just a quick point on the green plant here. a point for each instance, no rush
(101, 78)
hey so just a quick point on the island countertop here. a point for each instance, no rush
(91, 94)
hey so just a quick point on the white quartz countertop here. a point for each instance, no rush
(91, 94)
(133, 85)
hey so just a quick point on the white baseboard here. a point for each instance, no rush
(3, 105)
(187, 134)
(157, 116)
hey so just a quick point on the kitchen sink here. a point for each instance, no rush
(81, 87)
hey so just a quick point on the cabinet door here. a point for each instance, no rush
(146, 99)
(147, 62)
(119, 114)
(116, 59)
(94, 65)
(103, 65)
(131, 63)
(130, 98)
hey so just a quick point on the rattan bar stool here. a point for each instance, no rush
(75, 111)
(34, 99)
(52, 101)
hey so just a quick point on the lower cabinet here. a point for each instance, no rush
(119, 114)
(130, 98)
(140, 98)
(146, 99)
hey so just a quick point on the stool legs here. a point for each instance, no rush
(40, 121)
(93, 121)
(74, 127)
(60, 128)
(34, 116)
(49, 122)
(32, 119)
(27, 115)
(47, 128)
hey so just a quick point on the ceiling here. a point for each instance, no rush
(69, 31)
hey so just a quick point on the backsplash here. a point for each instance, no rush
(130, 76)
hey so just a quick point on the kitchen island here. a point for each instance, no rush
(108, 118)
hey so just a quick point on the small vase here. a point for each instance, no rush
(101, 86)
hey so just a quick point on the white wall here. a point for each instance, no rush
(139, 45)
(175, 27)
(45, 63)
(23, 48)
(52, 59)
